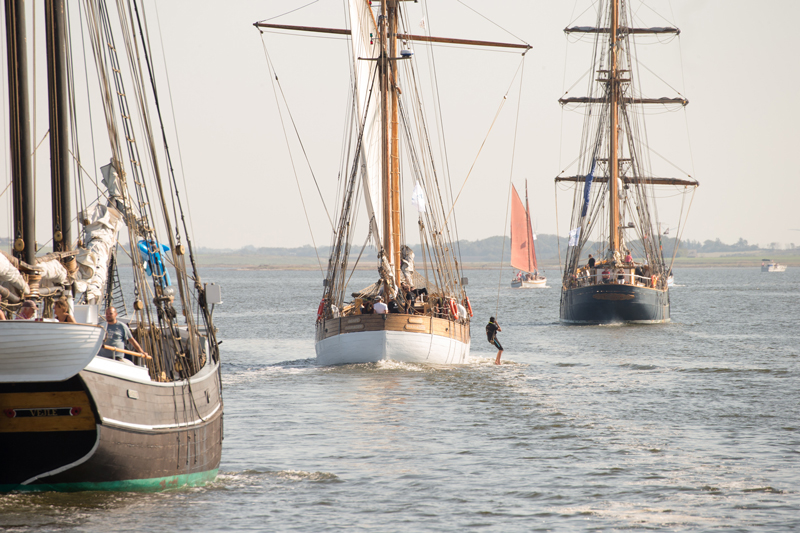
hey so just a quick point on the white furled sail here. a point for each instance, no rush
(10, 276)
(103, 224)
(365, 45)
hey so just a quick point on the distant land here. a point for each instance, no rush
(486, 253)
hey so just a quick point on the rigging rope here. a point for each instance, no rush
(510, 177)
(497, 114)
(274, 78)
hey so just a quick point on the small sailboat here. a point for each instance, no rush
(768, 265)
(75, 414)
(523, 250)
(613, 196)
(417, 313)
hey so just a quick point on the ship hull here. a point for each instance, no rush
(540, 283)
(614, 304)
(773, 268)
(124, 433)
(395, 337)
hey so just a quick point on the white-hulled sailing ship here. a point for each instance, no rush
(429, 312)
(70, 417)
(523, 249)
(614, 195)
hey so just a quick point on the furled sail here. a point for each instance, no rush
(103, 224)
(522, 251)
(364, 42)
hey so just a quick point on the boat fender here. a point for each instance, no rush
(453, 308)
(321, 310)
(469, 306)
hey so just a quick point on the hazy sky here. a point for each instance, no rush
(735, 62)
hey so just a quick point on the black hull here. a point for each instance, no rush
(614, 304)
(129, 435)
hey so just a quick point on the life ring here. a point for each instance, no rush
(653, 281)
(321, 310)
(453, 308)
(469, 306)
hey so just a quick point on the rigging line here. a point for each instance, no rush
(558, 234)
(500, 108)
(174, 122)
(292, 11)
(286, 137)
(294, 125)
(493, 22)
(510, 179)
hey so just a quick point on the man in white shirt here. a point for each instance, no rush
(379, 307)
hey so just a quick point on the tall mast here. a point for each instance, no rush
(613, 159)
(529, 231)
(386, 186)
(24, 216)
(59, 132)
(394, 153)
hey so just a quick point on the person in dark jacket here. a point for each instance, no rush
(491, 335)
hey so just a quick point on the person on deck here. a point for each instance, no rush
(606, 275)
(629, 257)
(61, 309)
(117, 334)
(27, 311)
(591, 261)
(379, 308)
(491, 335)
(2, 314)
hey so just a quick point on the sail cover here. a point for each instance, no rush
(523, 256)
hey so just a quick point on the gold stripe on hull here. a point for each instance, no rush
(44, 411)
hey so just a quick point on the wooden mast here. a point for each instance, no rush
(386, 186)
(394, 152)
(59, 132)
(614, 88)
(24, 216)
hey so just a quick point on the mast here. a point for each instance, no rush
(394, 152)
(529, 229)
(59, 133)
(614, 86)
(24, 216)
(385, 155)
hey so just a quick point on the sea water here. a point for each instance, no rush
(686, 426)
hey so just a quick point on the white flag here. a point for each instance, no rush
(574, 235)
(418, 198)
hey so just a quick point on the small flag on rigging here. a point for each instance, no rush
(418, 198)
(574, 236)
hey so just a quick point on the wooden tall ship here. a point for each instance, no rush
(70, 417)
(429, 312)
(627, 280)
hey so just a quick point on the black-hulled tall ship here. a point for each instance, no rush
(72, 418)
(613, 206)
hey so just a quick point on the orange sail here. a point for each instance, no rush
(523, 255)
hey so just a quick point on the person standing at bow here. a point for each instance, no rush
(491, 335)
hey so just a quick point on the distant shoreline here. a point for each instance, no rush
(289, 263)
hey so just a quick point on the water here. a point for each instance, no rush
(687, 426)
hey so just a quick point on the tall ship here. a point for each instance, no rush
(79, 410)
(428, 318)
(523, 245)
(614, 216)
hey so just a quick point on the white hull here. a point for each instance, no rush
(401, 346)
(46, 351)
(773, 268)
(540, 283)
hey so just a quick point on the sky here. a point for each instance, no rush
(733, 61)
